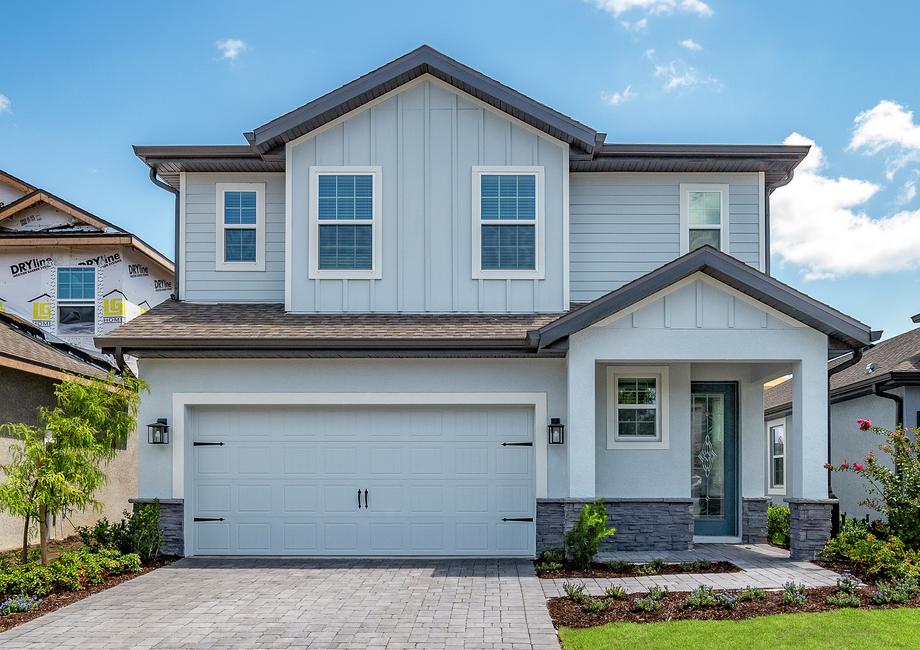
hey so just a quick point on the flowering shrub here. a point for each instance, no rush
(898, 591)
(71, 571)
(894, 493)
(866, 553)
(18, 604)
(794, 594)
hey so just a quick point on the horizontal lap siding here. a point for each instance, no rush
(626, 225)
(202, 282)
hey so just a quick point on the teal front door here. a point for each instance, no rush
(714, 458)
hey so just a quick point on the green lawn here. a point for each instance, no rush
(892, 628)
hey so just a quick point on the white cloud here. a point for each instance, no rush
(637, 26)
(888, 127)
(6, 106)
(231, 47)
(819, 223)
(690, 44)
(650, 53)
(908, 192)
(621, 97)
(677, 74)
(654, 7)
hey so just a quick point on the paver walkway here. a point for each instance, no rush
(762, 565)
(246, 603)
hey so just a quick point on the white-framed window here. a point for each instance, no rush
(776, 456)
(345, 229)
(76, 300)
(240, 219)
(637, 407)
(703, 216)
(507, 222)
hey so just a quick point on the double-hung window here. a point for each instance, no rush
(240, 226)
(344, 222)
(703, 216)
(508, 222)
(776, 455)
(76, 300)
(637, 407)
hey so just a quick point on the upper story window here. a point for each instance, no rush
(508, 222)
(344, 222)
(703, 216)
(776, 456)
(240, 226)
(637, 407)
(76, 296)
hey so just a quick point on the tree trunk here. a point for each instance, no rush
(25, 540)
(44, 527)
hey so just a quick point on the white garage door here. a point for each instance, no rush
(362, 480)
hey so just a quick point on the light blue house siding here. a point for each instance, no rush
(626, 225)
(426, 139)
(200, 281)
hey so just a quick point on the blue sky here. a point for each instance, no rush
(91, 79)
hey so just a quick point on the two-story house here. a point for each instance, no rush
(425, 314)
(70, 272)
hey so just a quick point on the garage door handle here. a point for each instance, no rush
(517, 518)
(359, 498)
(517, 444)
(365, 499)
(208, 519)
(207, 444)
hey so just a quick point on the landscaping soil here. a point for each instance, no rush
(599, 570)
(566, 613)
(55, 601)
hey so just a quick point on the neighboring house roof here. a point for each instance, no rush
(893, 361)
(843, 331)
(588, 150)
(243, 328)
(28, 348)
(92, 229)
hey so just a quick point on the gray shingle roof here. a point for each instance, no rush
(22, 341)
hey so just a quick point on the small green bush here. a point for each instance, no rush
(842, 599)
(18, 604)
(592, 605)
(620, 566)
(582, 540)
(752, 593)
(550, 560)
(70, 571)
(702, 597)
(651, 568)
(898, 591)
(138, 532)
(615, 592)
(794, 594)
(778, 525)
(575, 592)
(646, 604)
(876, 558)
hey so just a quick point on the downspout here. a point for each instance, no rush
(898, 403)
(169, 188)
(857, 357)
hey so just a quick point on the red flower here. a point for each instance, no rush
(864, 424)
(844, 465)
(858, 467)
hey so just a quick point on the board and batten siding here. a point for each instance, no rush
(201, 282)
(624, 225)
(426, 138)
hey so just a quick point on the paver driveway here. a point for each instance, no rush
(246, 603)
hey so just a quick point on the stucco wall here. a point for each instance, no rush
(20, 395)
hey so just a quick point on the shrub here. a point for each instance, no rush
(899, 591)
(728, 601)
(615, 592)
(778, 525)
(893, 487)
(592, 605)
(18, 604)
(657, 592)
(842, 599)
(575, 592)
(847, 583)
(620, 566)
(137, 532)
(651, 602)
(582, 540)
(752, 593)
(550, 560)
(70, 571)
(651, 568)
(794, 594)
(868, 554)
(702, 597)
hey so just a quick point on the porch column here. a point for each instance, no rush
(580, 434)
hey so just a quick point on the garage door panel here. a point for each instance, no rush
(286, 480)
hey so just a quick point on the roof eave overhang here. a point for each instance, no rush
(895, 379)
(31, 240)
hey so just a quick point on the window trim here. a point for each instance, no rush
(75, 302)
(220, 263)
(685, 227)
(478, 273)
(376, 270)
(778, 490)
(660, 373)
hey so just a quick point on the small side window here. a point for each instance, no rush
(637, 407)
(703, 217)
(76, 300)
(776, 456)
(240, 227)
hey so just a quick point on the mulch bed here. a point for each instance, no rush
(55, 601)
(566, 613)
(599, 570)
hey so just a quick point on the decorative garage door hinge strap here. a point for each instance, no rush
(207, 444)
(208, 519)
(517, 518)
(517, 444)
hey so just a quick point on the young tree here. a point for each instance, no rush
(60, 464)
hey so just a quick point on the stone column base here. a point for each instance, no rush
(642, 524)
(754, 520)
(810, 523)
(172, 523)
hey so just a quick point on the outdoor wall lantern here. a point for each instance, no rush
(158, 432)
(556, 432)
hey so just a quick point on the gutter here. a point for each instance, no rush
(897, 399)
(169, 188)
